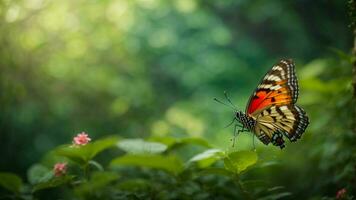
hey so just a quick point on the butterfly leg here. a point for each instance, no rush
(236, 133)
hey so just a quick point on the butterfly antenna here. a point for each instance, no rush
(233, 120)
(228, 105)
(229, 100)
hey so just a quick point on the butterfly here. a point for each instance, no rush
(271, 113)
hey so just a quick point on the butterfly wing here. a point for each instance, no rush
(277, 121)
(272, 106)
(278, 86)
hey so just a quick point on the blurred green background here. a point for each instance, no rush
(138, 68)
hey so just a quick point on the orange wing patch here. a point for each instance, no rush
(264, 98)
(278, 87)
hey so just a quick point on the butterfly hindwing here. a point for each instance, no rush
(288, 120)
(301, 125)
(279, 86)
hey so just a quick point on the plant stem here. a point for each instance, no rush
(240, 185)
(86, 171)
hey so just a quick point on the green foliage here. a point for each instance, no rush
(139, 146)
(84, 154)
(39, 174)
(11, 182)
(94, 187)
(133, 185)
(208, 157)
(52, 183)
(173, 143)
(168, 163)
(41, 178)
(235, 162)
(239, 161)
(142, 157)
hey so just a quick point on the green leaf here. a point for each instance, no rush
(276, 196)
(54, 182)
(177, 142)
(11, 182)
(51, 158)
(275, 188)
(239, 161)
(215, 171)
(171, 164)
(207, 158)
(82, 154)
(341, 54)
(134, 185)
(196, 141)
(255, 183)
(39, 174)
(97, 181)
(269, 164)
(97, 165)
(139, 146)
(168, 141)
(313, 69)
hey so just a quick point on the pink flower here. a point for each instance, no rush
(60, 169)
(81, 139)
(341, 193)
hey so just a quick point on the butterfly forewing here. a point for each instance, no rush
(279, 86)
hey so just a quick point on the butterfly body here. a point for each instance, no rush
(271, 113)
(247, 121)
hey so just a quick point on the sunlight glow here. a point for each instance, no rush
(192, 125)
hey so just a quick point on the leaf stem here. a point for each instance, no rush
(242, 188)
(86, 171)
